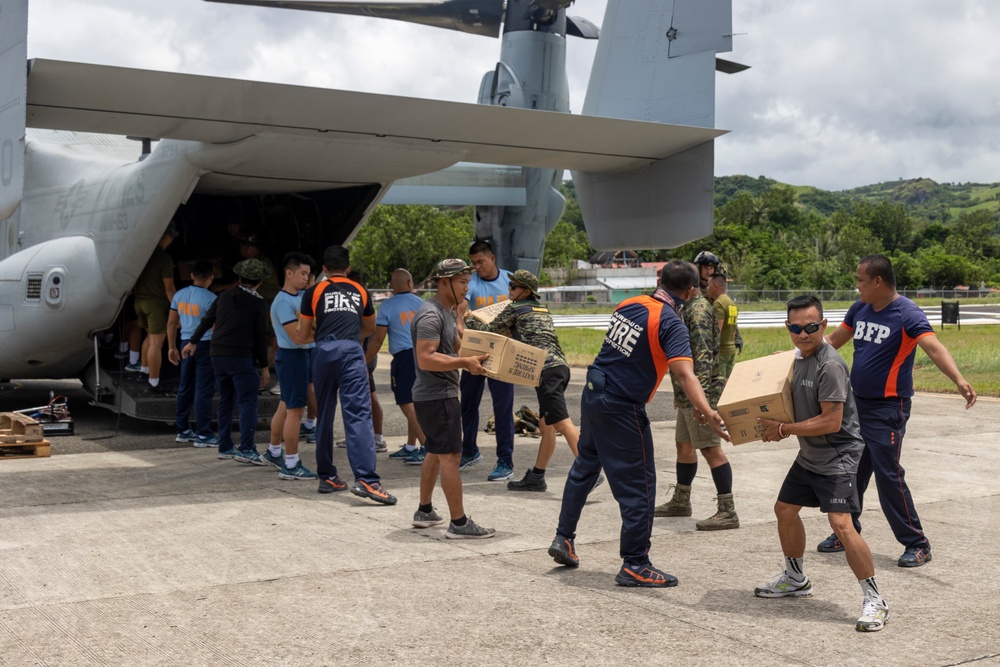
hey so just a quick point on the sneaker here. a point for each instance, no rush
(874, 615)
(501, 472)
(426, 519)
(159, 391)
(228, 453)
(252, 457)
(133, 368)
(372, 491)
(914, 557)
(530, 482)
(403, 453)
(416, 458)
(120, 354)
(380, 445)
(783, 587)
(469, 461)
(830, 545)
(276, 462)
(309, 434)
(342, 444)
(205, 441)
(276, 390)
(330, 485)
(187, 435)
(564, 552)
(600, 480)
(644, 576)
(470, 531)
(298, 472)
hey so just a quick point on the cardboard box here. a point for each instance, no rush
(758, 388)
(510, 360)
(487, 314)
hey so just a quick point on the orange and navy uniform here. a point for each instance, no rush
(885, 343)
(337, 304)
(644, 337)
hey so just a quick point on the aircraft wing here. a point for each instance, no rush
(313, 138)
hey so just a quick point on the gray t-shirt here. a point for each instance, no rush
(823, 376)
(434, 322)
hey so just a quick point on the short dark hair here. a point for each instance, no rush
(336, 258)
(294, 260)
(678, 276)
(804, 301)
(719, 278)
(202, 268)
(356, 277)
(879, 266)
(480, 246)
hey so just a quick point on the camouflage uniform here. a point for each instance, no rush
(699, 317)
(529, 322)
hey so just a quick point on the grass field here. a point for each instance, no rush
(976, 351)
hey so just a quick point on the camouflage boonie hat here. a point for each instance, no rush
(252, 269)
(447, 268)
(526, 279)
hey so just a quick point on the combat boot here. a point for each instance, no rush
(679, 505)
(724, 519)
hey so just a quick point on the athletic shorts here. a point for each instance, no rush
(551, 392)
(689, 430)
(830, 493)
(152, 314)
(441, 422)
(293, 370)
(402, 374)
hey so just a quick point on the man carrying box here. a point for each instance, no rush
(824, 474)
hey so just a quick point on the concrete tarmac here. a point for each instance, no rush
(139, 551)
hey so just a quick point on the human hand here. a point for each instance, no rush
(188, 350)
(772, 430)
(475, 364)
(174, 356)
(968, 393)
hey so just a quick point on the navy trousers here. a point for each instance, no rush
(339, 368)
(238, 381)
(502, 393)
(615, 435)
(196, 388)
(883, 424)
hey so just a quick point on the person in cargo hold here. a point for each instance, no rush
(646, 337)
(824, 474)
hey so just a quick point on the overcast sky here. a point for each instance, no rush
(840, 94)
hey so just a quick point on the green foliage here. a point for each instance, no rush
(564, 244)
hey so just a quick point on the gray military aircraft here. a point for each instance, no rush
(82, 206)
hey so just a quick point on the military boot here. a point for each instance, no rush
(724, 519)
(679, 505)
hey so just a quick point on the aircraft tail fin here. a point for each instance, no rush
(13, 104)
(655, 62)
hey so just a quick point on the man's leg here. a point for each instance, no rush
(791, 531)
(203, 390)
(451, 483)
(582, 475)
(246, 381)
(325, 382)
(227, 394)
(356, 410)
(502, 394)
(471, 388)
(859, 556)
(186, 392)
(155, 354)
(290, 433)
(414, 434)
(725, 517)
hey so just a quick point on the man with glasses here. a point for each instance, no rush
(824, 473)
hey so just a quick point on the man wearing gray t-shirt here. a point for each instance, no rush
(435, 399)
(824, 473)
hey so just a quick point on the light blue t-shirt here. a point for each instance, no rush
(192, 304)
(396, 313)
(487, 292)
(285, 310)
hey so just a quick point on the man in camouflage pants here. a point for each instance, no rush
(699, 317)
(528, 321)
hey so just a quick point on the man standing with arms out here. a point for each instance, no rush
(154, 290)
(239, 339)
(197, 383)
(825, 471)
(886, 329)
(394, 318)
(699, 318)
(727, 314)
(337, 313)
(528, 321)
(292, 364)
(645, 339)
(489, 284)
(435, 399)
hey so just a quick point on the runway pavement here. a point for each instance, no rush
(138, 551)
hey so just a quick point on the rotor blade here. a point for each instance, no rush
(581, 27)
(479, 17)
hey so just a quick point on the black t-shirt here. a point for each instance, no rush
(337, 304)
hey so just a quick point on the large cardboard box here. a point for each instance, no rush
(758, 388)
(487, 314)
(510, 360)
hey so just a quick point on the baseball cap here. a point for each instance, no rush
(447, 268)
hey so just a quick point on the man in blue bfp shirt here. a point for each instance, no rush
(644, 339)
(197, 383)
(886, 329)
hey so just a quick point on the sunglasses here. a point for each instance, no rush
(809, 328)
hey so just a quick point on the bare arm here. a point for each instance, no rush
(826, 422)
(367, 326)
(429, 359)
(942, 358)
(683, 372)
(168, 284)
(173, 324)
(839, 336)
(375, 344)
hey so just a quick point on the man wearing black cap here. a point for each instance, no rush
(238, 348)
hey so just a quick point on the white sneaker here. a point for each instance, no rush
(380, 444)
(784, 587)
(276, 390)
(874, 615)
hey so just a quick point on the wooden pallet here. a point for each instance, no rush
(21, 437)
